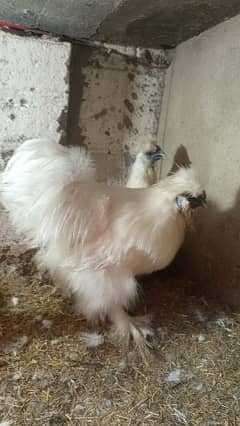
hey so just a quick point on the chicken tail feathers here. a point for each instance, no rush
(38, 170)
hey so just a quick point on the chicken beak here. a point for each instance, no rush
(160, 152)
(200, 201)
(157, 154)
(203, 199)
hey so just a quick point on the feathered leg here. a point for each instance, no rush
(126, 327)
(142, 175)
(109, 293)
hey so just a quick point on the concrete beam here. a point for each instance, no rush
(72, 18)
(131, 22)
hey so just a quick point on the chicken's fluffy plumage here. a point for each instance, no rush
(94, 238)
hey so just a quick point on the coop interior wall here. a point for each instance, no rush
(33, 97)
(76, 95)
(202, 112)
(114, 106)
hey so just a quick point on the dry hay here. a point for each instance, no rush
(49, 377)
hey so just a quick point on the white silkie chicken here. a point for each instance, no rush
(94, 238)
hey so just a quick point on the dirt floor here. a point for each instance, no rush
(49, 375)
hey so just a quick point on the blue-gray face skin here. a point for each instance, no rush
(195, 202)
(155, 155)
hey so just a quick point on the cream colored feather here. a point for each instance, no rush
(93, 238)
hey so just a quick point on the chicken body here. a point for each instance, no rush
(94, 239)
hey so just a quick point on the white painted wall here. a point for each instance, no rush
(203, 114)
(33, 95)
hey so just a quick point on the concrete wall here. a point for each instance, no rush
(79, 95)
(203, 115)
(33, 95)
(114, 107)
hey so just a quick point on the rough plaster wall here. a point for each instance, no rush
(33, 95)
(203, 114)
(114, 108)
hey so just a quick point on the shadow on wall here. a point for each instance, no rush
(211, 253)
(77, 81)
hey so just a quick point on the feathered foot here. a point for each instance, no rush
(137, 329)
